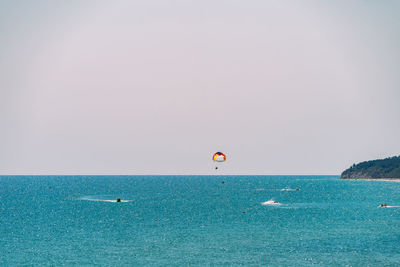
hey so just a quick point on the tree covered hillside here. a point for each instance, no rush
(373, 169)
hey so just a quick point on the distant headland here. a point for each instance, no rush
(382, 169)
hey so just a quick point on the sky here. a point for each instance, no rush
(156, 87)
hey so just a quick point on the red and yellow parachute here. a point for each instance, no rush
(219, 157)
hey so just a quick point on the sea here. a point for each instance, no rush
(198, 221)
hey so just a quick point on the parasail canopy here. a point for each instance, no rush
(219, 157)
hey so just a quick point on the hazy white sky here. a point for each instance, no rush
(156, 87)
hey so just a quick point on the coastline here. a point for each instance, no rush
(373, 179)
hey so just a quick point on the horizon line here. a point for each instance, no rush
(169, 175)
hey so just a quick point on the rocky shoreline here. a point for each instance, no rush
(372, 179)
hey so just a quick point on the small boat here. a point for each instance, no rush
(270, 202)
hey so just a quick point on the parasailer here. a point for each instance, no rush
(219, 157)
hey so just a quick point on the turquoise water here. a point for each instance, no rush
(198, 221)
